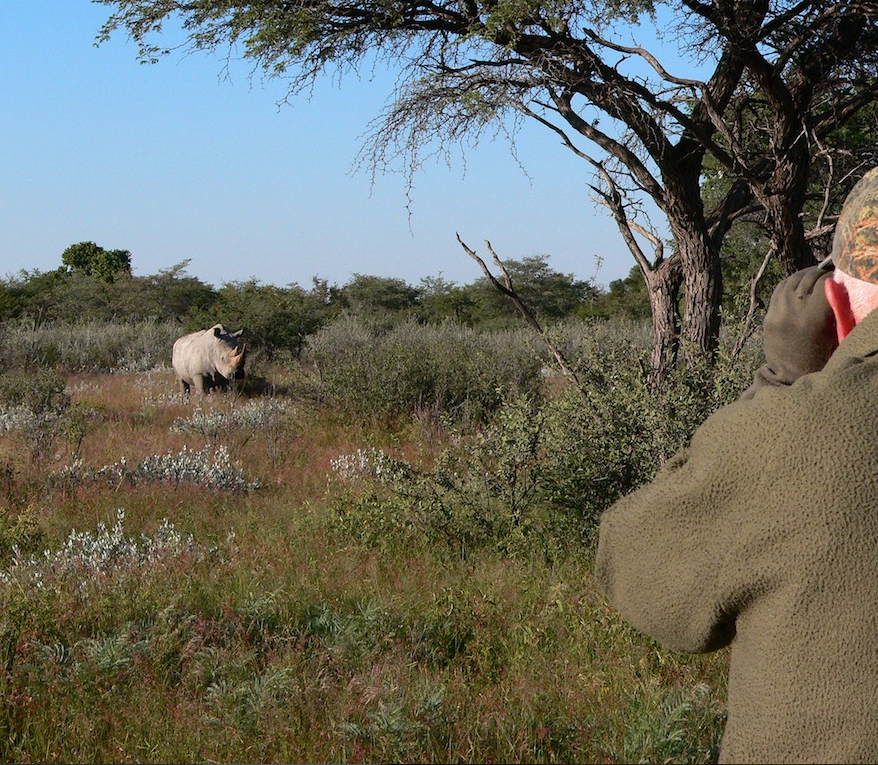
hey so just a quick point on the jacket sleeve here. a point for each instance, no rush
(799, 332)
(666, 556)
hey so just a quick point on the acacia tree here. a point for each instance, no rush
(776, 79)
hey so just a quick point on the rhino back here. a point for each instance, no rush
(195, 354)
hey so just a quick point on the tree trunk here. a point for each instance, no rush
(703, 283)
(663, 283)
(783, 208)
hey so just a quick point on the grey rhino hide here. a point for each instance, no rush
(208, 359)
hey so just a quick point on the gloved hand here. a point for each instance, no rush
(799, 332)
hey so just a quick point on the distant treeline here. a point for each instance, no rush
(278, 319)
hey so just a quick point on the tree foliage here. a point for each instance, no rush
(93, 260)
(275, 319)
(378, 296)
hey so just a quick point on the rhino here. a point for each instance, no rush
(208, 359)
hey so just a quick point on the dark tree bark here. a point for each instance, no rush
(664, 287)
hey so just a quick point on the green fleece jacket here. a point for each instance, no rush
(763, 534)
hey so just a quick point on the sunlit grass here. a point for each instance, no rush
(255, 632)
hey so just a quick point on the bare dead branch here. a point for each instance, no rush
(646, 56)
(508, 289)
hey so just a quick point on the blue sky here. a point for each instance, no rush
(174, 163)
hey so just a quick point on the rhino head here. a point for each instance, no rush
(230, 363)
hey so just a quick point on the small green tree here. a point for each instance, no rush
(274, 319)
(626, 298)
(32, 294)
(93, 260)
(440, 300)
(169, 294)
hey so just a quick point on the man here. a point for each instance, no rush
(763, 534)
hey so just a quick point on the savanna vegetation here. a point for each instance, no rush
(376, 548)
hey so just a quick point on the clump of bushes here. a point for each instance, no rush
(36, 409)
(535, 478)
(372, 373)
(20, 532)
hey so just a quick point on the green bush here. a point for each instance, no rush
(447, 369)
(538, 475)
(39, 390)
(481, 491)
(20, 532)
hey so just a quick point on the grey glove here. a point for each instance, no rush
(799, 332)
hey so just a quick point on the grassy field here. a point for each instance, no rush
(177, 587)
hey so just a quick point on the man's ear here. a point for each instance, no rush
(840, 303)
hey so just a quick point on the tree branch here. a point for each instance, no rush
(508, 289)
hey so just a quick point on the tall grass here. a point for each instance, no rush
(333, 588)
(90, 345)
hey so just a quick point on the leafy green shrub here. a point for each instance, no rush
(36, 409)
(19, 532)
(276, 320)
(443, 368)
(490, 489)
(498, 489)
(538, 475)
(38, 390)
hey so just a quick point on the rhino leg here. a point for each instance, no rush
(184, 387)
(199, 382)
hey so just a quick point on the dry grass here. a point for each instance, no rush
(274, 639)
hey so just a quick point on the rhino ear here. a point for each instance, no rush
(238, 333)
(217, 330)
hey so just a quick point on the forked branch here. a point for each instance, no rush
(508, 289)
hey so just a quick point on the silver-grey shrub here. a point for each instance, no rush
(448, 368)
(200, 468)
(258, 415)
(96, 554)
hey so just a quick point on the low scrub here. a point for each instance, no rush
(447, 369)
(535, 478)
(90, 346)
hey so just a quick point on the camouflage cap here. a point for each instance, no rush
(855, 244)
